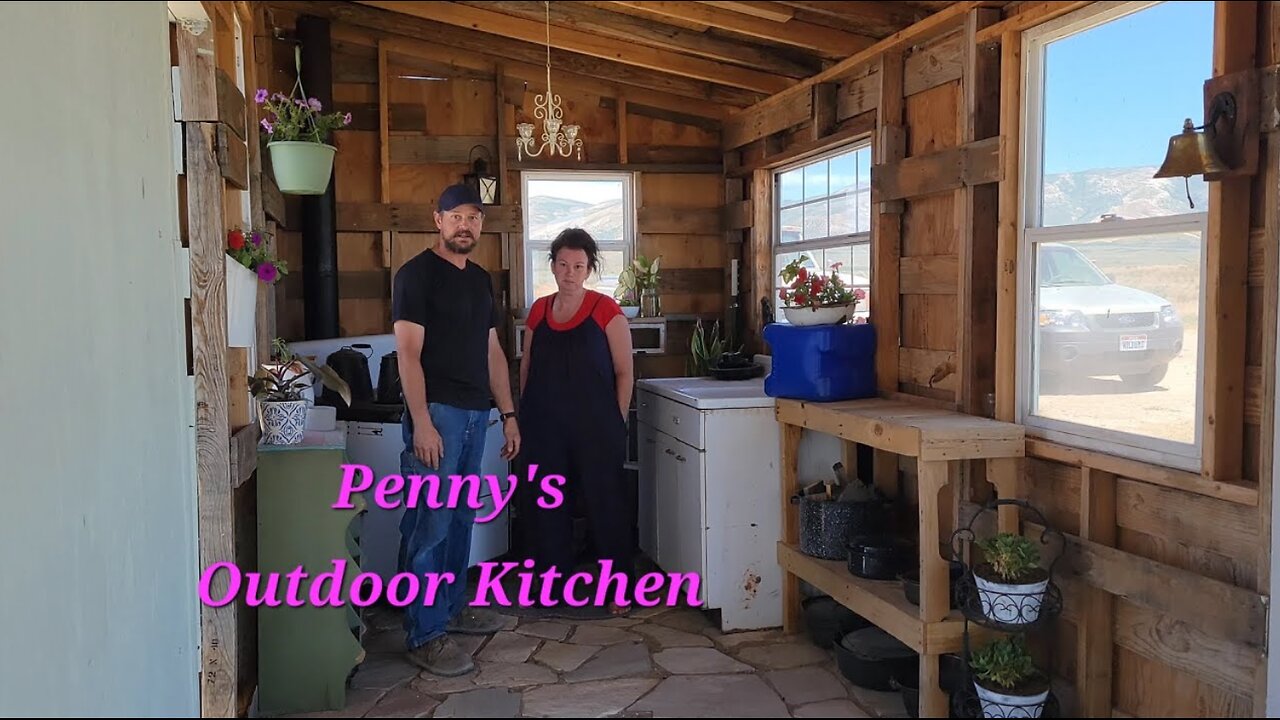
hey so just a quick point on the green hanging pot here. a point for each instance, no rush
(300, 167)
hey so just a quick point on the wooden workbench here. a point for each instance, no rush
(937, 439)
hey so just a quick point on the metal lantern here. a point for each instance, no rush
(481, 180)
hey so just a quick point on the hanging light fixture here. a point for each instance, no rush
(557, 138)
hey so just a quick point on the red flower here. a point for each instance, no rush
(816, 286)
(804, 274)
(235, 239)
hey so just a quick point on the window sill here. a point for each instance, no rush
(1237, 491)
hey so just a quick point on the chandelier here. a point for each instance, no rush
(547, 108)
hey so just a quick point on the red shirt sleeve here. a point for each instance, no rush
(536, 313)
(606, 310)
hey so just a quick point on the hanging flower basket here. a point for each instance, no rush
(301, 168)
(297, 130)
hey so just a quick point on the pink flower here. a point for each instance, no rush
(836, 265)
(346, 119)
(267, 272)
(314, 104)
(266, 125)
(859, 294)
(261, 96)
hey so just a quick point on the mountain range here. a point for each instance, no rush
(1075, 197)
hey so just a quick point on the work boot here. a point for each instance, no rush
(475, 621)
(443, 657)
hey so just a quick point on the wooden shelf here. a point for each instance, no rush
(936, 438)
(881, 602)
(908, 429)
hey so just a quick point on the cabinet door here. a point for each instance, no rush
(687, 472)
(647, 491)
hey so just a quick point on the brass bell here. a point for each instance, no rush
(1190, 153)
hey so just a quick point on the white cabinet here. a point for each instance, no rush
(708, 493)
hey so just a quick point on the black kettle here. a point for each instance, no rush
(352, 366)
(389, 380)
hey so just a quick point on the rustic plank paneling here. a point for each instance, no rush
(973, 164)
(407, 149)
(742, 129)
(679, 221)
(929, 368)
(929, 275)
(936, 64)
(377, 217)
(736, 215)
(405, 117)
(231, 104)
(233, 158)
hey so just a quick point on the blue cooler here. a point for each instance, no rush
(822, 363)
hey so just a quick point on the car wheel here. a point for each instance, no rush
(1147, 379)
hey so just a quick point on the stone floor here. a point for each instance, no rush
(659, 662)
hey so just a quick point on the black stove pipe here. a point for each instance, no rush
(319, 212)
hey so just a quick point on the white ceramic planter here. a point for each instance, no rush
(825, 315)
(631, 310)
(242, 305)
(1011, 604)
(1000, 705)
(283, 423)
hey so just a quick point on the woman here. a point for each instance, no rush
(576, 377)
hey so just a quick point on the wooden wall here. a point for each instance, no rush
(1166, 571)
(385, 197)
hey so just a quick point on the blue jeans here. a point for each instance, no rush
(439, 540)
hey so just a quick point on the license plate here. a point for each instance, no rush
(1133, 342)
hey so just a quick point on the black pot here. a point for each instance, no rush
(826, 525)
(873, 659)
(879, 557)
(352, 365)
(827, 620)
(389, 380)
(911, 584)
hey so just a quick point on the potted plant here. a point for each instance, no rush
(1007, 681)
(1011, 583)
(301, 159)
(812, 299)
(278, 387)
(646, 282)
(626, 294)
(704, 349)
(248, 263)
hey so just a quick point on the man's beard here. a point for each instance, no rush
(454, 245)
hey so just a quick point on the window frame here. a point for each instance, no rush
(849, 240)
(528, 245)
(1031, 232)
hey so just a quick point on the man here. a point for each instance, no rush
(451, 368)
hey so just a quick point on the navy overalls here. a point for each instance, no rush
(570, 425)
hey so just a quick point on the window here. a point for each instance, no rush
(822, 211)
(600, 203)
(1112, 260)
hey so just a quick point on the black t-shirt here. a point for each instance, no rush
(456, 309)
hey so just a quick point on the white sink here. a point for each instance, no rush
(707, 393)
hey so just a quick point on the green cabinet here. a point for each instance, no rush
(306, 654)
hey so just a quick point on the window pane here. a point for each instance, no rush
(605, 281)
(844, 219)
(815, 180)
(1113, 96)
(863, 199)
(792, 190)
(792, 225)
(815, 220)
(593, 205)
(1117, 326)
(844, 173)
(862, 276)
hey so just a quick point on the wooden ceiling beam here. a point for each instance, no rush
(407, 53)
(507, 26)
(871, 18)
(562, 62)
(826, 41)
(588, 18)
(932, 26)
(775, 12)
(640, 13)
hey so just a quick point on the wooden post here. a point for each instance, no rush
(886, 244)
(792, 618)
(1094, 646)
(1006, 362)
(384, 144)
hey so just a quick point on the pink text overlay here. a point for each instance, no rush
(435, 492)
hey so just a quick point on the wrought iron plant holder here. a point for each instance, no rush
(1008, 611)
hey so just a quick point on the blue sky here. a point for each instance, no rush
(1116, 93)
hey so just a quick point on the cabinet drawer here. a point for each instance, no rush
(675, 419)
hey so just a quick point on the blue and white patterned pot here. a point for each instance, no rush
(283, 423)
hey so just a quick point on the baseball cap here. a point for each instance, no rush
(456, 195)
